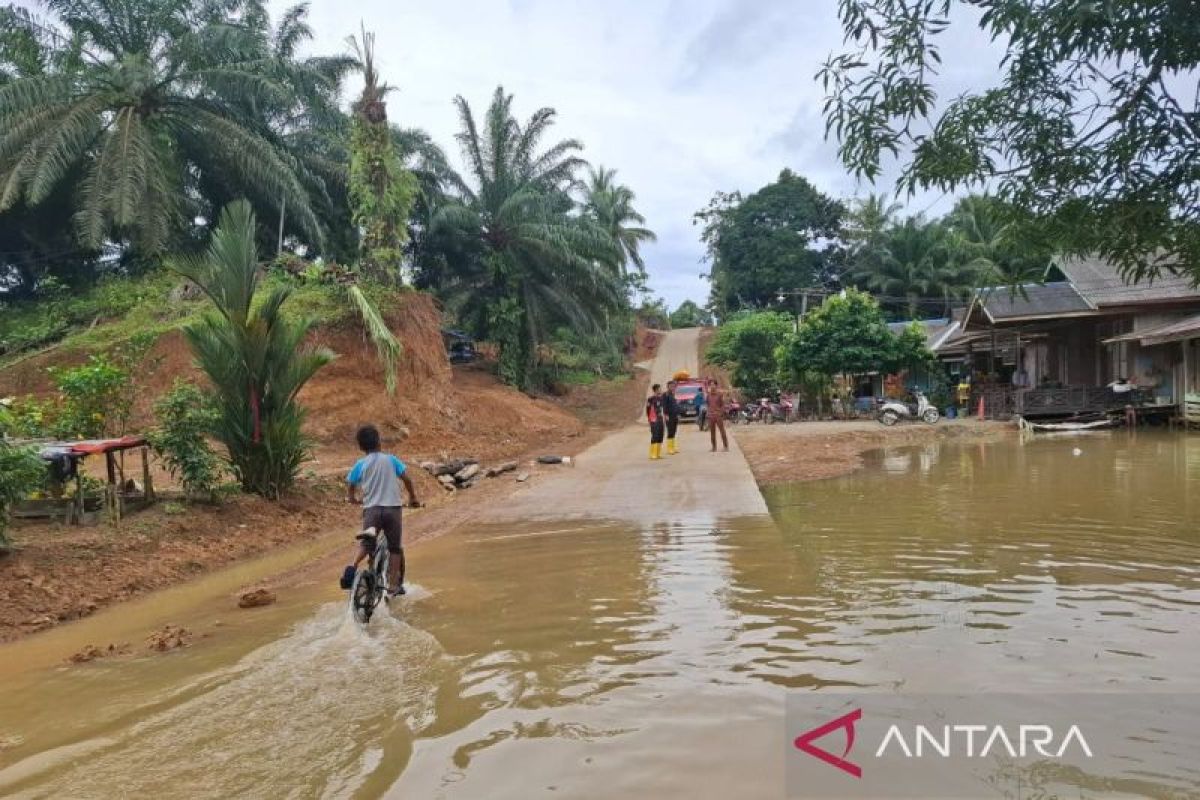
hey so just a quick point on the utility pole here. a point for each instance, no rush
(282, 214)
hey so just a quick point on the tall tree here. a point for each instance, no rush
(382, 191)
(536, 263)
(610, 205)
(1091, 125)
(782, 237)
(690, 315)
(144, 101)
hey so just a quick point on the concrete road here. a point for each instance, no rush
(615, 479)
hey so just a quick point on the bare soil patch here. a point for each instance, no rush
(805, 451)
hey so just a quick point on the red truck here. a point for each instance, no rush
(685, 393)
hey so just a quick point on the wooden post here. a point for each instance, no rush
(114, 496)
(992, 359)
(147, 482)
(79, 507)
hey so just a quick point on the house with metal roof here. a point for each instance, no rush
(1059, 348)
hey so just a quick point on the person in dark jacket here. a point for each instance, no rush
(654, 415)
(671, 409)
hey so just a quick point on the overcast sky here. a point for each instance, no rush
(682, 97)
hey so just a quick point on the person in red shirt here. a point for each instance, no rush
(654, 415)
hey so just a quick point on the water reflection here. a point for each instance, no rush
(1043, 564)
(612, 661)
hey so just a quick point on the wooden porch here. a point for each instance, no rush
(1005, 402)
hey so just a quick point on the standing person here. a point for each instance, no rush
(654, 415)
(379, 475)
(717, 403)
(671, 408)
(701, 408)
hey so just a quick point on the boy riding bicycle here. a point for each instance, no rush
(377, 474)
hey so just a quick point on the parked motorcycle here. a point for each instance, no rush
(754, 411)
(892, 411)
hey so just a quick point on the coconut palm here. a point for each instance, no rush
(255, 359)
(149, 101)
(531, 264)
(610, 205)
(987, 241)
(866, 229)
(914, 270)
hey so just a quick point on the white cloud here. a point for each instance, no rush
(682, 97)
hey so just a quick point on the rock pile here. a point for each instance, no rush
(463, 473)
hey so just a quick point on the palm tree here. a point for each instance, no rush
(255, 359)
(381, 190)
(866, 232)
(610, 205)
(915, 269)
(532, 263)
(986, 240)
(147, 100)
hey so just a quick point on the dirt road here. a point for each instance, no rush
(614, 479)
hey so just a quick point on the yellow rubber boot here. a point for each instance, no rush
(653, 451)
(671, 450)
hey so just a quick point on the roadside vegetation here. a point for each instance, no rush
(185, 166)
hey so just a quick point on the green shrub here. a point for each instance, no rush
(746, 344)
(185, 416)
(26, 418)
(21, 473)
(93, 397)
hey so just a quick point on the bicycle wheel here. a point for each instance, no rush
(362, 596)
(382, 557)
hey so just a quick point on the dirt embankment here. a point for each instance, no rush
(59, 573)
(806, 451)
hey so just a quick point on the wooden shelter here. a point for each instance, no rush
(120, 493)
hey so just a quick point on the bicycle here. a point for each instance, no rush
(370, 584)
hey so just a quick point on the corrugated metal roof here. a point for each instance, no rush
(1101, 284)
(935, 329)
(1188, 328)
(1032, 300)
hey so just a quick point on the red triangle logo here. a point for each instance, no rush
(805, 742)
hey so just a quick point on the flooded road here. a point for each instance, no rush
(597, 660)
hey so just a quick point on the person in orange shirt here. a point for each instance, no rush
(717, 406)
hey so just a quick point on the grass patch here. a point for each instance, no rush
(107, 314)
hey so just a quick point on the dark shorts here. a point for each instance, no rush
(387, 519)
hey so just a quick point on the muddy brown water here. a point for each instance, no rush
(592, 660)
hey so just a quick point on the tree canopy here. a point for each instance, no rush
(746, 345)
(781, 237)
(690, 315)
(1091, 126)
(150, 108)
(846, 335)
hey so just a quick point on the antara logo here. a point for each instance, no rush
(946, 741)
(805, 742)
